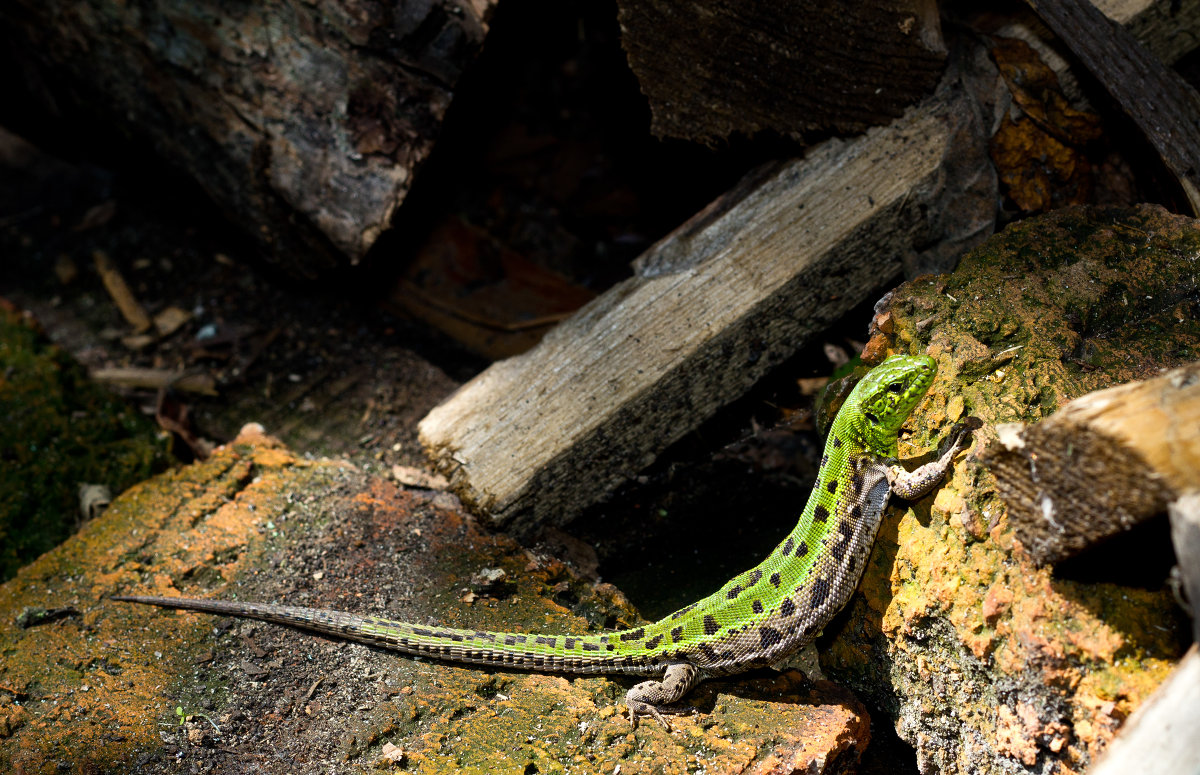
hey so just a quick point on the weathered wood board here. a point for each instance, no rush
(1101, 464)
(711, 308)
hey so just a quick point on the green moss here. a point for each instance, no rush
(58, 430)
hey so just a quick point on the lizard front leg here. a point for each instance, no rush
(649, 697)
(911, 485)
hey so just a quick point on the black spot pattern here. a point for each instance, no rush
(733, 592)
(676, 634)
(787, 547)
(568, 643)
(710, 625)
(769, 636)
(546, 640)
(837, 443)
(590, 646)
(820, 514)
(637, 634)
(757, 606)
(802, 549)
(657, 639)
(682, 611)
(774, 580)
(787, 607)
(820, 592)
(856, 511)
(755, 577)
(831, 485)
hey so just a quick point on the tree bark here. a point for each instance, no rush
(303, 121)
(714, 68)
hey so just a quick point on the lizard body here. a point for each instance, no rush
(756, 619)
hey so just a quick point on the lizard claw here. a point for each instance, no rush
(961, 433)
(645, 709)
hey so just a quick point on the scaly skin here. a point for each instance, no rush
(756, 619)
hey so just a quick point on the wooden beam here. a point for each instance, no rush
(1168, 29)
(1101, 464)
(712, 307)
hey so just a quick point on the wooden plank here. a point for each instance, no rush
(1163, 735)
(711, 308)
(1101, 464)
(711, 68)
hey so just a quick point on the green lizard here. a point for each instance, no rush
(756, 619)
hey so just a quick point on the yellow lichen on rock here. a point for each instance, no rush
(992, 662)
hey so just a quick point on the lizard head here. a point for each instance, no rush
(887, 395)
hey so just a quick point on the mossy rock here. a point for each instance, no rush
(59, 430)
(986, 663)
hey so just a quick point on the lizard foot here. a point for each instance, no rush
(654, 698)
(639, 708)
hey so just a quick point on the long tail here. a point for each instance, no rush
(559, 653)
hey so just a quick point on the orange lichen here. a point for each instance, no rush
(92, 686)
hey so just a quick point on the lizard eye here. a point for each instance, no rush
(895, 387)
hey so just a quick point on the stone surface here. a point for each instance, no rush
(987, 664)
(104, 686)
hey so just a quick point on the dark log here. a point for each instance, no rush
(303, 121)
(714, 68)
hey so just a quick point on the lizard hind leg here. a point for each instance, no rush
(649, 698)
